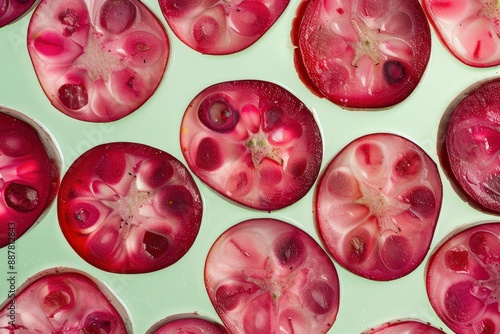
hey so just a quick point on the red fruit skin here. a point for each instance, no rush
(267, 276)
(63, 300)
(377, 204)
(253, 142)
(468, 145)
(407, 326)
(29, 174)
(13, 10)
(129, 208)
(221, 27)
(97, 61)
(462, 279)
(361, 55)
(191, 323)
(468, 29)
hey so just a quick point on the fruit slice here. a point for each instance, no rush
(470, 137)
(187, 323)
(361, 54)
(97, 60)
(377, 204)
(462, 279)
(11, 10)
(407, 326)
(267, 276)
(63, 300)
(468, 28)
(129, 208)
(29, 174)
(253, 142)
(221, 27)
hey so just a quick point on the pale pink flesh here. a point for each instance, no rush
(462, 279)
(267, 276)
(221, 27)
(11, 10)
(29, 175)
(188, 324)
(377, 204)
(362, 54)
(468, 28)
(129, 208)
(97, 61)
(253, 142)
(472, 144)
(62, 300)
(407, 326)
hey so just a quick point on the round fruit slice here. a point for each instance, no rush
(187, 323)
(267, 276)
(468, 28)
(97, 60)
(129, 208)
(362, 54)
(462, 278)
(470, 138)
(253, 142)
(377, 205)
(406, 326)
(29, 174)
(11, 10)
(221, 27)
(63, 300)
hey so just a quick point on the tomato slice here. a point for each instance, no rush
(471, 143)
(362, 54)
(409, 326)
(267, 276)
(468, 28)
(29, 174)
(221, 27)
(253, 142)
(377, 205)
(462, 279)
(97, 60)
(129, 208)
(63, 300)
(189, 323)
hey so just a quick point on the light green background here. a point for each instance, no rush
(179, 288)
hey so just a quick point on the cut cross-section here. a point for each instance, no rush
(361, 54)
(12, 10)
(253, 142)
(468, 28)
(267, 276)
(29, 174)
(470, 145)
(129, 208)
(377, 204)
(97, 60)
(221, 27)
(63, 300)
(189, 323)
(408, 326)
(463, 279)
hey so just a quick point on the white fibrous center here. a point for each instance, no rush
(98, 61)
(129, 207)
(367, 43)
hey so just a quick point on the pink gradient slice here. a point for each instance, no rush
(97, 60)
(377, 204)
(129, 208)
(267, 276)
(253, 142)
